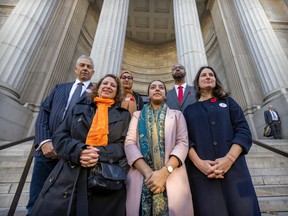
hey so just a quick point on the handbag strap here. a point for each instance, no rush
(73, 191)
(82, 194)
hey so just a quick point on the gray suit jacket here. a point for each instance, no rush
(189, 98)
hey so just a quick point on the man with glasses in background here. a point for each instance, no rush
(182, 94)
(132, 101)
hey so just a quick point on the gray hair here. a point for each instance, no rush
(85, 57)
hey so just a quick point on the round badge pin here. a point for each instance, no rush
(222, 105)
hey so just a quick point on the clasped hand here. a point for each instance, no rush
(215, 169)
(89, 157)
(156, 181)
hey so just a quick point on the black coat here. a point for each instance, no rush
(139, 100)
(69, 177)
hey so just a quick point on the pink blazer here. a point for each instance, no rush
(177, 185)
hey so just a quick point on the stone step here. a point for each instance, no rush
(268, 171)
(17, 153)
(270, 180)
(6, 200)
(18, 158)
(272, 204)
(274, 213)
(20, 211)
(283, 146)
(271, 190)
(12, 178)
(13, 170)
(267, 162)
(18, 164)
(11, 187)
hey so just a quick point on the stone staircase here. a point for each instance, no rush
(269, 173)
(12, 162)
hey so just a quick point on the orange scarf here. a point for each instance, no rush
(98, 132)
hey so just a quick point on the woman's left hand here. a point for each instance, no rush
(219, 169)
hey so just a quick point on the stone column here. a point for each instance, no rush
(267, 53)
(189, 41)
(108, 45)
(240, 70)
(19, 37)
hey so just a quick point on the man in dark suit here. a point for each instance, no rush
(182, 94)
(52, 112)
(272, 118)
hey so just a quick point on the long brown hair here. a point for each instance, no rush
(218, 90)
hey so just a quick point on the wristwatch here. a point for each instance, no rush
(169, 169)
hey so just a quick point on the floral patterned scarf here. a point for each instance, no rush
(152, 145)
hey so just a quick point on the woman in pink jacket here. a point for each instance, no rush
(156, 147)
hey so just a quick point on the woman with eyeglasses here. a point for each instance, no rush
(156, 147)
(132, 101)
(93, 132)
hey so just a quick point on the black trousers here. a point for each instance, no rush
(276, 129)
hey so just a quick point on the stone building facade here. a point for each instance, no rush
(245, 41)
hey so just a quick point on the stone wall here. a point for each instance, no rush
(149, 62)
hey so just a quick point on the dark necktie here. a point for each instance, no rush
(180, 94)
(75, 97)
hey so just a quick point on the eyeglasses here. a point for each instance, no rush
(127, 77)
(178, 67)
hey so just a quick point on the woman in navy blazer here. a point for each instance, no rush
(219, 137)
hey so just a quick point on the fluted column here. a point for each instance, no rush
(108, 45)
(240, 70)
(267, 53)
(189, 41)
(19, 37)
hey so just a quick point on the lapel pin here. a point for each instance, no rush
(222, 105)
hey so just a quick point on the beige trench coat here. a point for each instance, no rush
(177, 185)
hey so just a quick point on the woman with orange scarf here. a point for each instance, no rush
(95, 131)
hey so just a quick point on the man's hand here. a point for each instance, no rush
(48, 150)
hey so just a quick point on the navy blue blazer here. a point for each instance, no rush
(213, 127)
(189, 98)
(51, 113)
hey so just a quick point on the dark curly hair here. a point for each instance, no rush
(218, 90)
(95, 88)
